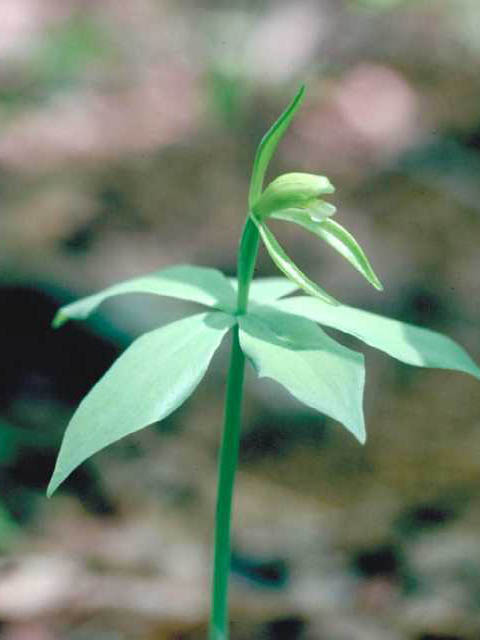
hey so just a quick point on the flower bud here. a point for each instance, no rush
(298, 191)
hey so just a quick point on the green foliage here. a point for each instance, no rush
(268, 289)
(151, 379)
(197, 284)
(280, 337)
(314, 368)
(410, 344)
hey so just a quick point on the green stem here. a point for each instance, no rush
(226, 479)
(247, 256)
(230, 442)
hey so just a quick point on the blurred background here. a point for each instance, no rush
(127, 136)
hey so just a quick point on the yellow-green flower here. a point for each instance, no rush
(295, 192)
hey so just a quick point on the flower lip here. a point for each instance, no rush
(300, 191)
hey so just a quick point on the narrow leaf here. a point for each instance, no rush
(289, 268)
(314, 368)
(197, 284)
(149, 380)
(263, 290)
(408, 343)
(338, 238)
(267, 147)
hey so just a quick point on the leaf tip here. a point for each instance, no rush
(475, 371)
(358, 430)
(55, 481)
(298, 98)
(359, 433)
(59, 319)
(51, 489)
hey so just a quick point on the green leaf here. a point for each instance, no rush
(314, 368)
(338, 238)
(289, 268)
(267, 147)
(197, 284)
(414, 345)
(263, 290)
(149, 380)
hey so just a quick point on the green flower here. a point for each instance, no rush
(295, 192)
(296, 197)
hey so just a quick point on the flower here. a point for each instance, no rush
(295, 192)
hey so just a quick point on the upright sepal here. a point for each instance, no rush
(267, 147)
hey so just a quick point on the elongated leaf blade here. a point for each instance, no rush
(314, 368)
(186, 282)
(264, 290)
(289, 268)
(414, 345)
(267, 147)
(151, 379)
(338, 238)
